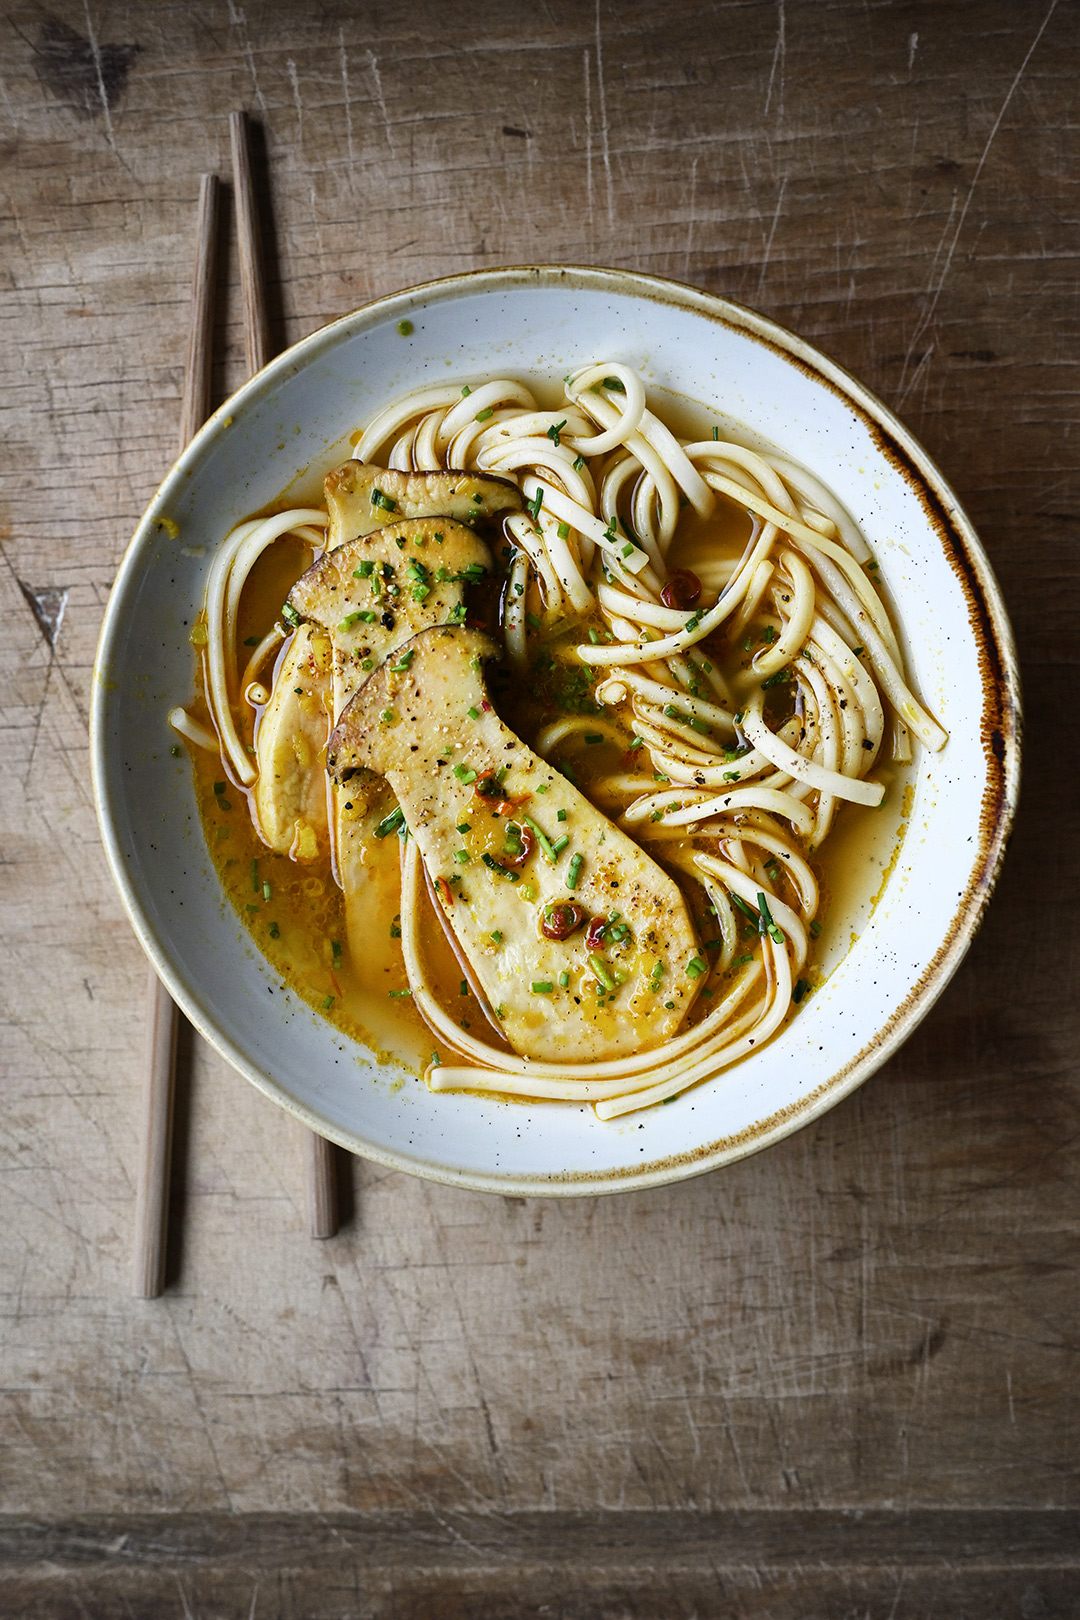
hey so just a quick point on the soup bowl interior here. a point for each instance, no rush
(886, 957)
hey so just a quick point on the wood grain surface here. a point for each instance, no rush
(837, 1379)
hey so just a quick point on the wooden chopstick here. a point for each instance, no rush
(252, 280)
(320, 1163)
(162, 1017)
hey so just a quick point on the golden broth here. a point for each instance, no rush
(296, 913)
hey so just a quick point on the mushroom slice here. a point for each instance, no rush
(489, 817)
(290, 747)
(378, 590)
(361, 498)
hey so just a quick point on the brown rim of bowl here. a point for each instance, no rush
(1001, 726)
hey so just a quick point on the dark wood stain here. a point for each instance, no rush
(80, 74)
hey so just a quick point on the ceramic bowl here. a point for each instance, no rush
(295, 416)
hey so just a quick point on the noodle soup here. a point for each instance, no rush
(693, 636)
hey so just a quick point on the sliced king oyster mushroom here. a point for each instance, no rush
(353, 608)
(425, 723)
(361, 498)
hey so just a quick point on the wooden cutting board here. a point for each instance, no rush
(837, 1378)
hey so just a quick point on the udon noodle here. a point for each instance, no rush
(736, 705)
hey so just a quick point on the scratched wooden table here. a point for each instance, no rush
(838, 1379)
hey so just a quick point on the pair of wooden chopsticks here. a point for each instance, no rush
(152, 1200)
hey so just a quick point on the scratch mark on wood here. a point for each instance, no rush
(344, 59)
(772, 233)
(373, 64)
(690, 218)
(912, 47)
(935, 290)
(605, 141)
(294, 81)
(779, 55)
(588, 139)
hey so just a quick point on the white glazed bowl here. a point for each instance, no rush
(543, 320)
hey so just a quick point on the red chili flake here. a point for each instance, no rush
(683, 589)
(594, 937)
(488, 788)
(485, 706)
(563, 921)
(444, 891)
(526, 840)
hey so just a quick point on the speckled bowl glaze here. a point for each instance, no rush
(297, 414)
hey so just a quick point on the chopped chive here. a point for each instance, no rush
(328, 1003)
(175, 750)
(535, 504)
(599, 967)
(579, 463)
(553, 434)
(740, 960)
(776, 934)
(495, 937)
(367, 663)
(275, 931)
(473, 714)
(543, 840)
(732, 776)
(464, 826)
(564, 980)
(394, 994)
(614, 384)
(801, 987)
(461, 855)
(775, 680)
(464, 774)
(573, 872)
(747, 911)
(403, 662)
(627, 550)
(594, 636)
(464, 987)
(386, 716)
(716, 432)
(563, 531)
(365, 615)
(290, 615)
(532, 621)
(466, 391)
(219, 787)
(365, 570)
(560, 844)
(385, 502)
(266, 891)
(815, 928)
(405, 328)
(391, 823)
(560, 815)
(484, 416)
(542, 987)
(696, 967)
